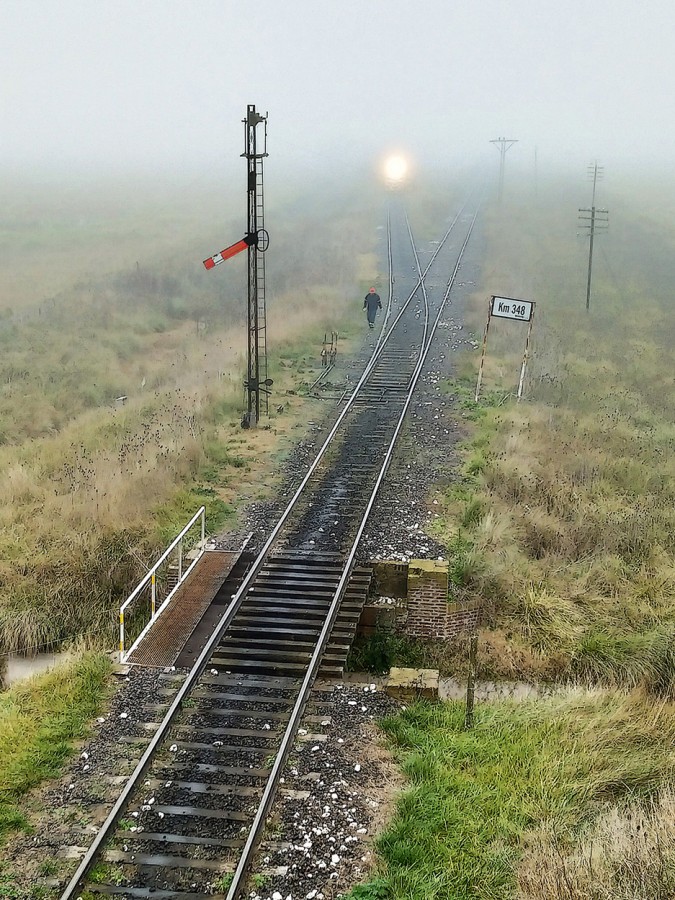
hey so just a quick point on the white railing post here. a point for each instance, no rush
(151, 576)
(121, 635)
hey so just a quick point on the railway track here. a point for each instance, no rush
(198, 800)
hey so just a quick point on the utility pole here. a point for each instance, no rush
(502, 144)
(593, 220)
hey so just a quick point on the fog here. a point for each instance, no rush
(163, 84)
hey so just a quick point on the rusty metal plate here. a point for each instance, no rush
(164, 641)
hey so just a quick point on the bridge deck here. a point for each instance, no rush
(172, 628)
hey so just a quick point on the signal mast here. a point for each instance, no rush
(256, 242)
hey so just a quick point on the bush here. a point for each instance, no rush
(378, 653)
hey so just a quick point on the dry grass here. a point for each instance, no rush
(573, 549)
(628, 850)
(628, 854)
(90, 489)
(56, 233)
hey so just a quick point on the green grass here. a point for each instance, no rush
(172, 516)
(379, 889)
(39, 722)
(105, 873)
(222, 884)
(8, 887)
(477, 800)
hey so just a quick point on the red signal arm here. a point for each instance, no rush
(230, 251)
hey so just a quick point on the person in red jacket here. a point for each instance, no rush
(371, 304)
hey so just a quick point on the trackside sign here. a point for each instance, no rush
(509, 308)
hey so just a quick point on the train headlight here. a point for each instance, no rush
(395, 168)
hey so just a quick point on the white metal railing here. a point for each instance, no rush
(150, 578)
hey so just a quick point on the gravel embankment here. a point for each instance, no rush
(324, 840)
(336, 792)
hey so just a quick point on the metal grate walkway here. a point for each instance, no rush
(173, 626)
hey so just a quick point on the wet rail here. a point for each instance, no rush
(192, 813)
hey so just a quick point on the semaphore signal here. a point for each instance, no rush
(230, 251)
(256, 241)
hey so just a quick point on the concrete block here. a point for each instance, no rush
(381, 616)
(431, 568)
(411, 684)
(391, 577)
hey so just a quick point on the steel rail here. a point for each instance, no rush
(200, 665)
(421, 275)
(423, 344)
(390, 297)
(257, 826)
(323, 374)
(197, 670)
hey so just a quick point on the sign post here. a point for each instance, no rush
(507, 308)
(525, 353)
(482, 355)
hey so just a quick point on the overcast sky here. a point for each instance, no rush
(89, 82)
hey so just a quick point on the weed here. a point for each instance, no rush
(223, 883)
(8, 887)
(105, 873)
(382, 650)
(476, 464)
(472, 512)
(48, 867)
(378, 889)
(39, 892)
(465, 561)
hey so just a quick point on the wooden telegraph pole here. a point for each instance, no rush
(593, 220)
(502, 144)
